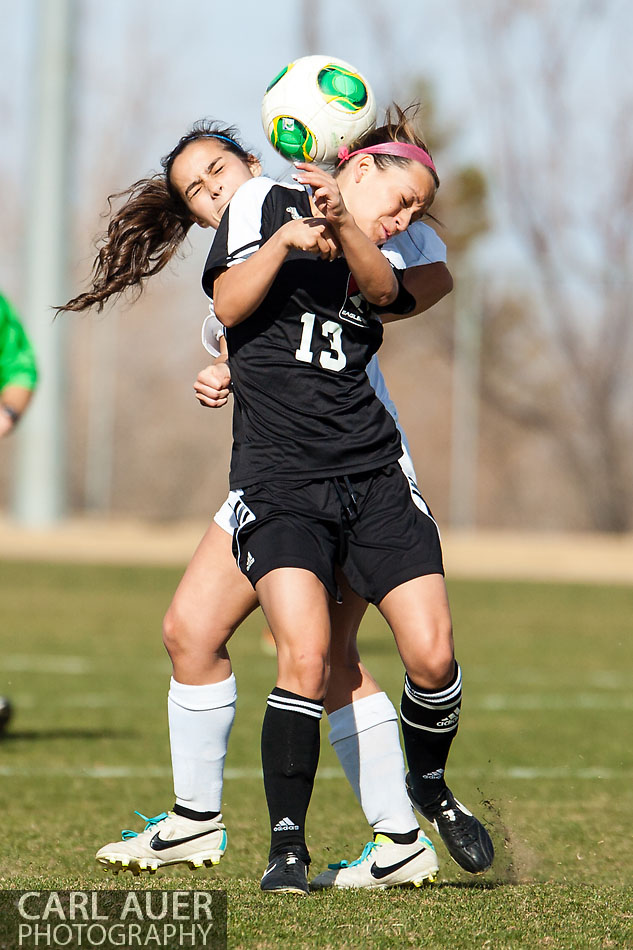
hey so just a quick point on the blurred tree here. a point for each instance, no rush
(462, 199)
(558, 349)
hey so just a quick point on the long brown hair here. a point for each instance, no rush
(145, 232)
(398, 126)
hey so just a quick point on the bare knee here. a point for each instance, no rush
(434, 663)
(176, 632)
(305, 673)
(184, 636)
(434, 673)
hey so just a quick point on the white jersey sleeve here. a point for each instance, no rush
(419, 244)
(212, 333)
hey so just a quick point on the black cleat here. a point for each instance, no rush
(286, 874)
(466, 839)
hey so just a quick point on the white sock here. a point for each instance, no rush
(365, 737)
(200, 720)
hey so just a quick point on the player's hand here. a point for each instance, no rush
(326, 194)
(212, 386)
(6, 425)
(312, 235)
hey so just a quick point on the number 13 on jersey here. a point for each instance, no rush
(333, 359)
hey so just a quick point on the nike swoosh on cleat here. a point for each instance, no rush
(379, 873)
(268, 870)
(157, 843)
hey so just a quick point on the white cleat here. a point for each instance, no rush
(384, 864)
(167, 839)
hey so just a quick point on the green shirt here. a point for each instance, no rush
(17, 359)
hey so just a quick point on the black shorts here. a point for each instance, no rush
(375, 525)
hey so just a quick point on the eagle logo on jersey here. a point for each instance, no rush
(355, 310)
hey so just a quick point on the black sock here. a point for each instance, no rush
(194, 815)
(290, 755)
(429, 724)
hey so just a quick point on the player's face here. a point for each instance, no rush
(386, 201)
(206, 176)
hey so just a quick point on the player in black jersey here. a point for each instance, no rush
(143, 235)
(313, 473)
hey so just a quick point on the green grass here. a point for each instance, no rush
(544, 753)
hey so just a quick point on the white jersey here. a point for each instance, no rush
(416, 246)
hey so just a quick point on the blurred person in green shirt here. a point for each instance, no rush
(18, 369)
(18, 378)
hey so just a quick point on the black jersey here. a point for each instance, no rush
(304, 407)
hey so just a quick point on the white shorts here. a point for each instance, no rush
(226, 519)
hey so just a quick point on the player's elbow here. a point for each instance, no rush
(445, 282)
(382, 296)
(227, 314)
(227, 319)
(383, 300)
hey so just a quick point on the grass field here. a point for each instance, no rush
(544, 753)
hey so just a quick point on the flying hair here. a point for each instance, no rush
(147, 229)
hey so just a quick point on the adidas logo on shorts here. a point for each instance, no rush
(286, 824)
(250, 560)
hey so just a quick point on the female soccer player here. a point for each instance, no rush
(213, 597)
(313, 474)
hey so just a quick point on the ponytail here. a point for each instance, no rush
(142, 237)
(147, 230)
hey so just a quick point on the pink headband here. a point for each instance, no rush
(402, 149)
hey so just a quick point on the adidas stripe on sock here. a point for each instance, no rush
(430, 718)
(290, 755)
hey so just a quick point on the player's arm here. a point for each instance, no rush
(376, 282)
(240, 289)
(427, 284)
(372, 272)
(13, 402)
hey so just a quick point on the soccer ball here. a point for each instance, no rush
(6, 712)
(315, 105)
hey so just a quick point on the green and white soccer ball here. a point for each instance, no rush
(314, 106)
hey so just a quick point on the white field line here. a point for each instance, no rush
(124, 772)
(538, 701)
(535, 679)
(45, 663)
(531, 678)
(493, 702)
(73, 665)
